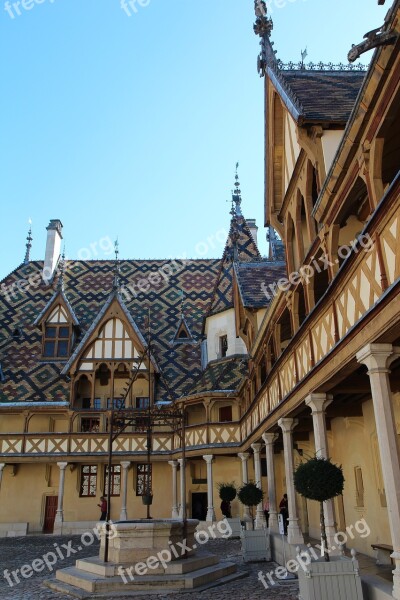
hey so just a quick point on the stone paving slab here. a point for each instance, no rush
(17, 552)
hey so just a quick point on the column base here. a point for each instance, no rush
(273, 522)
(294, 534)
(211, 515)
(123, 516)
(260, 522)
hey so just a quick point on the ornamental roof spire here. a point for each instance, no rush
(116, 282)
(28, 244)
(60, 283)
(237, 195)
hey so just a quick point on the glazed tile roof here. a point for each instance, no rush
(323, 96)
(254, 280)
(88, 285)
(244, 249)
(224, 375)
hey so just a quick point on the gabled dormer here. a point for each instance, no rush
(59, 326)
(183, 334)
(102, 364)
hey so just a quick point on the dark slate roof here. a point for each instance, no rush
(88, 285)
(244, 249)
(254, 280)
(224, 375)
(323, 96)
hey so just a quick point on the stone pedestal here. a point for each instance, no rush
(135, 541)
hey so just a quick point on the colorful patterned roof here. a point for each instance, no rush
(224, 375)
(255, 281)
(239, 246)
(88, 285)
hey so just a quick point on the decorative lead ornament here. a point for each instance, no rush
(263, 26)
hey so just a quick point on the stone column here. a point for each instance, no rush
(175, 512)
(210, 501)
(318, 404)
(182, 507)
(60, 508)
(378, 357)
(295, 535)
(269, 439)
(244, 457)
(125, 464)
(260, 517)
(2, 465)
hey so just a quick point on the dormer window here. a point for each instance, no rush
(57, 333)
(56, 341)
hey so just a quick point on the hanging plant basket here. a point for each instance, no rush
(147, 499)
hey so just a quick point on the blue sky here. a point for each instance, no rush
(131, 126)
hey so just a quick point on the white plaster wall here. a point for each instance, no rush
(330, 143)
(223, 324)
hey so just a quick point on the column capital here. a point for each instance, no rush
(256, 447)
(125, 464)
(318, 402)
(62, 465)
(269, 438)
(377, 357)
(180, 461)
(244, 456)
(208, 458)
(2, 465)
(173, 463)
(287, 424)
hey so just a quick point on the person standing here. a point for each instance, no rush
(103, 508)
(284, 511)
(226, 509)
(266, 512)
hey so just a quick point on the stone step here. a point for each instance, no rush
(93, 583)
(202, 559)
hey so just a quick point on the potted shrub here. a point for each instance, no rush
(227, 493)
(320, 480)
(147, 498)
(255, 543)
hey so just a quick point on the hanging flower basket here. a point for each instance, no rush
(147, 499)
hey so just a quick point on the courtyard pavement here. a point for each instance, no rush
(17, 552)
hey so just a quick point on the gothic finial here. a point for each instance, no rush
(263, 25)
(237, 195)
(116, 266)
(28, 243)
(60, 283)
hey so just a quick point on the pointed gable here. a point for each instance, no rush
(241, 246)
(113, 335)
(57, 310)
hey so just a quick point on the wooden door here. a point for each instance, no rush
(50, 513)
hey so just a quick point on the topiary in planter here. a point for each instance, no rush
(250, 495)
(227, 491)
(319, 479)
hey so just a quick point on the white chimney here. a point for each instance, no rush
(53, 248)
(253, 228)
